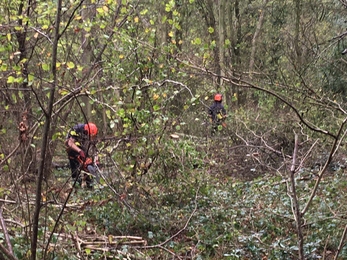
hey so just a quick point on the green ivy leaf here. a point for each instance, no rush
(45, 67)
(11, 79)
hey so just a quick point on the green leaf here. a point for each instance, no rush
(11, 79)
(100, 10)
(3, 67)
(70, 65)
(45, 67)
(31, 77)
(197, 41)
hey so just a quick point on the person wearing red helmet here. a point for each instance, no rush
(217, 114)
(79, 143)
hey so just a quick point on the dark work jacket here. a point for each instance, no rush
(77, 133)
(217, 109)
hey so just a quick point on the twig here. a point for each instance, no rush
(343, 237)
(114, 191)
(7, 253)
(4, 229)
(8, 201)
(325, 247)
(307, 154)
(295, 203)
(10, 154)
(322, 171)
(77, 240)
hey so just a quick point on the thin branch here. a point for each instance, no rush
(5, 231)
(306, 155)
(120, 196)
(295, 203)
(7, 253)
(343, 237)
(10, 154)
(322, 171)
(44, 35)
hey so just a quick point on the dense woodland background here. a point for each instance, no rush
(271, 185)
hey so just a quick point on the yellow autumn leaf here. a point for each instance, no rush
(155, 96)
(70, 65)
(63, 92)
(136, 19)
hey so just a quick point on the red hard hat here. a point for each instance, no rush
(218, 97)
(91, 129)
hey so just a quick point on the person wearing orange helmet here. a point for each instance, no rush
(79, 143)
(217, 113)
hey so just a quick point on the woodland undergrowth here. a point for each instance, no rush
(197, 208)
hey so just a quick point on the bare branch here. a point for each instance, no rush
(295, 203)
(4, 229)
(322, 171)
(343, 237)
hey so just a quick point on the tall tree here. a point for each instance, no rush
(46, 132)
(256, 36)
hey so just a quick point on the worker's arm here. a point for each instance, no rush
(72, 145)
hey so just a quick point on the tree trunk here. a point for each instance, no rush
(28, 158)
(45, 137)
(221, 36)
(88, 13)
(256, 37)
(297, 33)
(207, 9)
(237, 52)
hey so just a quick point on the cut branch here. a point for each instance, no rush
(295, 203)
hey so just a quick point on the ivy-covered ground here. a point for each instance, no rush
(188, 205)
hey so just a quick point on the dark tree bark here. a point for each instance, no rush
(45, 138)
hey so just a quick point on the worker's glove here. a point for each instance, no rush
(82, 155)
(88, 161)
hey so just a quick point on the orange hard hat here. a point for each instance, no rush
(91, 129)
(218, 97)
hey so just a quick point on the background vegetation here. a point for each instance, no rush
(271, 185)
